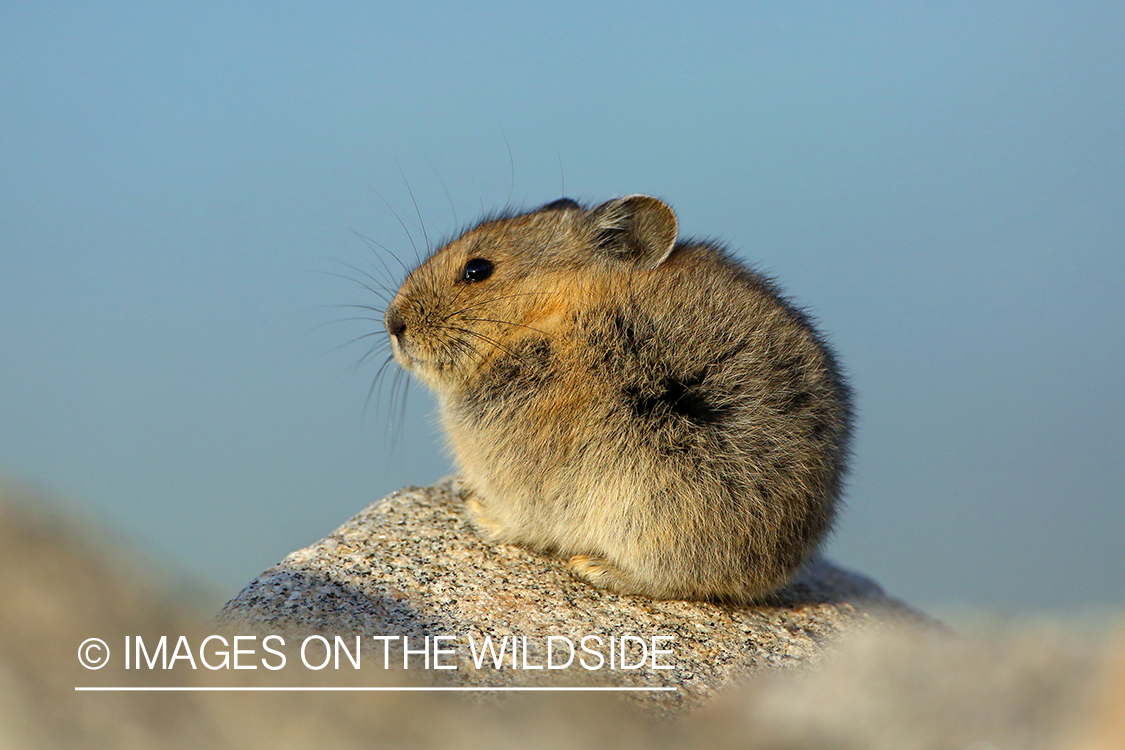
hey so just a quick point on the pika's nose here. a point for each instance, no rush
(394, 322)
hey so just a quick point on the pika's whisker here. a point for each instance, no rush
(351, 319)
(486, 339)
(370, 308)
(505, 323)
(402, 224)
(401, 376)
(376, 381)
(372, 244)
(349, 342)
(380, 289)
(482, 303)
(372, 351)
(445, 189)
(410, 191)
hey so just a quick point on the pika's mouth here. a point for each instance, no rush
(410, 359)
(419, 349)
(396, 328)
(398, 349)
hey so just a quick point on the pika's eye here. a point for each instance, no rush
(477, 269)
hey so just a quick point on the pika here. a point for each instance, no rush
(649, 409)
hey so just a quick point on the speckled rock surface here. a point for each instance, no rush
(410, 565)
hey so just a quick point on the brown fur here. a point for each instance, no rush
(652, 410)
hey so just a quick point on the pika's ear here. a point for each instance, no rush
(562, 204)
(637, 228)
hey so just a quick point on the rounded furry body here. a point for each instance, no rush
(652, 410)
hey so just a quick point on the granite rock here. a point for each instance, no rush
(1044, 683)
(410, 567)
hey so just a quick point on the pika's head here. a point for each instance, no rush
(517, 276)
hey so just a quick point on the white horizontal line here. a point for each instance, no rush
(139, 689)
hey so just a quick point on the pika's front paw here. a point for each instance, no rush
(479, 517)
(603, 574)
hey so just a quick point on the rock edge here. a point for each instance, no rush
(411, 565)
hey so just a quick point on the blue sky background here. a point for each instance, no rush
(942, 184)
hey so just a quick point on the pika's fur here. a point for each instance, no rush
(652, 410)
